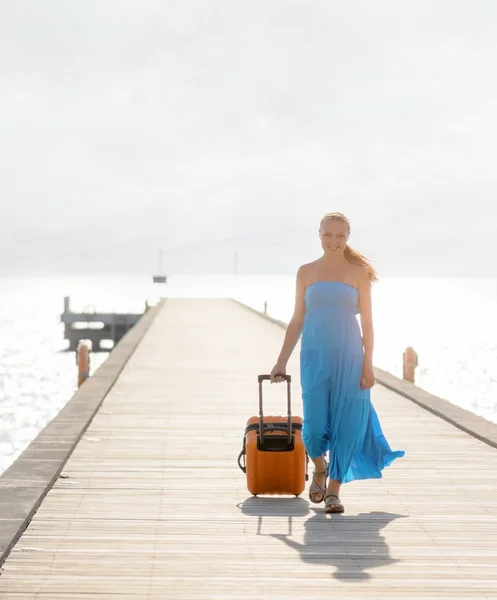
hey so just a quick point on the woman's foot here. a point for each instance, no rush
(332, 504)
(317, 489)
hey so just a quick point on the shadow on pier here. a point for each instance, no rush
(351, 544)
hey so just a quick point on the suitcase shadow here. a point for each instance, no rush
(350, 544)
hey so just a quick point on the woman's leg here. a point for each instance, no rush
(332, 496)
(319, 477)
(348, 420)
(333, 487)
(315, 434)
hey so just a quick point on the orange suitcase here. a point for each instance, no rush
(275, 460)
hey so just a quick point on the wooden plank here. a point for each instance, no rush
(153, 504)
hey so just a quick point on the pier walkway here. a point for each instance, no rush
(151, 503)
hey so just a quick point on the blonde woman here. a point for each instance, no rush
(336, 366)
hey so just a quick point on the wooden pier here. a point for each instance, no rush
(151, 503)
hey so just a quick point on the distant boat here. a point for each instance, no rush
(159, 278)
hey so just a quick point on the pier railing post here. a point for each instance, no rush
(409, 363)
(83, 361)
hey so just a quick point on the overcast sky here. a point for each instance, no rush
(199, 126)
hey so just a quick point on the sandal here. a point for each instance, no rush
(315, 488)
(332, 504)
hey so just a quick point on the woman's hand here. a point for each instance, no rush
(278, 369)
(367, 377)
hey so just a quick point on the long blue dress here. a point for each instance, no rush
(338, 415)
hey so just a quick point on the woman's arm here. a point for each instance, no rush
(294, 328)
(366, 312)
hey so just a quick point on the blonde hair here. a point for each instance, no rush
(350, 254)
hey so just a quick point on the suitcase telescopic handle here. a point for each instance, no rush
(288, 379)
(262, 378)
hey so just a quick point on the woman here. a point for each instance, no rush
(336, 366)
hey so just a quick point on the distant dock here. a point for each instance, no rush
(133, 491)
(95, 326)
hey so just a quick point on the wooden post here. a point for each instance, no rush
(410, 362)
(83, 361)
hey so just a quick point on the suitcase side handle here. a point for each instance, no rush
(288, 380)
(240, 456)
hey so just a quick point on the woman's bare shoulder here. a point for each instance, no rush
(361, 275)
(306, 271)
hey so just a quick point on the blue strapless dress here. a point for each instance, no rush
(338, 414)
